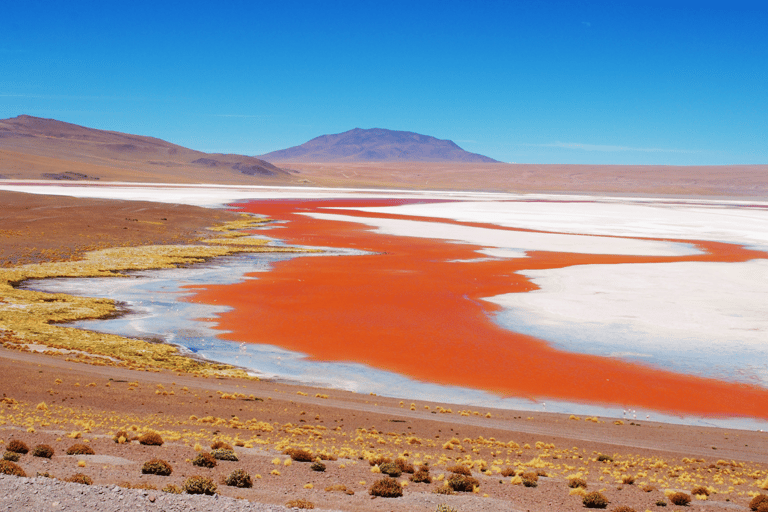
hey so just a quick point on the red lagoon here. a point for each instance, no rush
(409, 307)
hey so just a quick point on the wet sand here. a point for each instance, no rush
(411, 309)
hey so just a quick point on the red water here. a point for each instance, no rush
(409, 309)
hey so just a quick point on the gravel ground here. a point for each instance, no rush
(38, 494)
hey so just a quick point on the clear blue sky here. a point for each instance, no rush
(612, 82)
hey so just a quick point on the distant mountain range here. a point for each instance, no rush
(37, 148)
(376, 145)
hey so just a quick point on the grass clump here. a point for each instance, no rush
(680, 499)
(530, 479)
(386, 488)
(42, 450)
(700, 491)
(80, 449)
(12, 456)
(624, 508)
(239, 478)
(604, 458)
(16, 446)
(390, 469)
(224, 454)
(121, 437)
(758, 501)
(378, 461)
(628, 479)
(444, 508)
(460, 469)
(220, 445)
(443, 489)
(172, 489)
(508, 471)
(595, 500)
(574, 483)
(79, 478)
(157, 467)
(404, 466)
(422, 476)
(11, 468)
(300, 503)
(317, 466)
(199, 485)
(661, 503)
(462, 483)
(204, 460)
(299, 455)
(151, 438)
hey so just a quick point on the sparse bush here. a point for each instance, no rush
(199, 485)
(172, 489)
(462, 483)
(317, 466)
(628, 479)
(623, 508)
(648, 488)
(11, 468)
(390, 469)
(216, 445)
(79, 478)
(42, 450)
(122, 434)
(508, 471)
(151, 438)
(386, 488)
(11, 456)
(700, 491)
(300, 503)
(378, 461)
(45, 474)
(530, 479)
(157, 467)
(224, 454)
(80, 449)
(604, 458)
(760, 499)
(421, 477)
(443, 489)
(460, 469)
(595, 500)
(445, 508)
(680, 499)
(204, 460)
(573, 483)
(16, 446)
(299, 455)
(661, 503)
(404, 465)
(239, 478)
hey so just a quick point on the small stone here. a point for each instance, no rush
(152, 498)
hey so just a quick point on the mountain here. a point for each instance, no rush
(376, 145)
(36, 148)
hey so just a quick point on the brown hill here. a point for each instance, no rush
(376, 145)
(35, 148)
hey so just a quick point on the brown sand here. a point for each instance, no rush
(47, 399)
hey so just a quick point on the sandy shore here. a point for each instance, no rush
(50, 399)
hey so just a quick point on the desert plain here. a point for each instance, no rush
(62, 387)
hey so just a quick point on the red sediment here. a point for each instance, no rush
(409, 309)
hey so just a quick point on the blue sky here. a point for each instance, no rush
(683, 83)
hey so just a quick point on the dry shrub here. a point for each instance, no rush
(623, 508)
(573, 483)
(151, 438)
(386, 488)
(11, 468)
(79, 478)
(760, 499)
(11, 456)
(378, 461)
(700, 491)
(628, 479)
(299, 455)
(157, 467)
(239, 478)
(216, 445)
(595, 500)
(443, 489)
(16, 446)
(404, 466)
(421, 477)
(300, 503)
(42, 450)
(460, 469)
(172, 489)
(680, 499)
(45, 474)
(122, 434)
(604, 458)
(339, 488)
(508, 471)
(199, 485)
(80, 449)
(390, 469)
(444, 508)
(462, 483)
(204, 460)
(648, 488)
(326, 456)
(224, 454)
(317, 466)
(530, 479)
